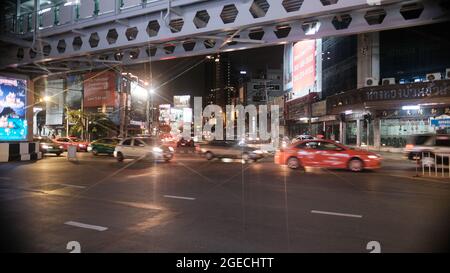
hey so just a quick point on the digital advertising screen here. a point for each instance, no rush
(139, 97)
(304, 72)
(13, 123)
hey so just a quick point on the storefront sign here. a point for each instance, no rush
(441, 122)
(319, 108)
(407, 94)
(400, 92)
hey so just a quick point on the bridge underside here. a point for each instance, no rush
(190, 28)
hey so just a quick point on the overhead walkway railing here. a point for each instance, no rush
(70, 12)
(132, 31)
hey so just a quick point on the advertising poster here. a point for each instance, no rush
(99, 89)
(74, 91)
(138, 101)
(13, 124)
(181, 101)
(288, 66)
(54, 91)
(304, 72)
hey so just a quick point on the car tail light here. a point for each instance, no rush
(409, 146)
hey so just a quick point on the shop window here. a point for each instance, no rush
(350, 133)
(395, 132)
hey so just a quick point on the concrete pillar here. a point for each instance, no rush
(376, 123)
(29, 112)
(368, 63)
(358, 132)
(342, 127)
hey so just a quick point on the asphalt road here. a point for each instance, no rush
(194, 205)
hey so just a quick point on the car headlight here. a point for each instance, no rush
(46, 147)
(258, 152)
(157, 150)
(171, 149)
(81, 145)
(373, 157)
(61, 147)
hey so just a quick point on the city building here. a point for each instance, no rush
(266, 85)
(380, 89)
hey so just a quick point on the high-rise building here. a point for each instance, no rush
(221, 82)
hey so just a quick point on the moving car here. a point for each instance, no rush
(428, 145)
(48, 146)
(232, 149)
(72, 141)
(185, 143)
(143, 147)
(103, 146)
(301, 137)
(326, 154)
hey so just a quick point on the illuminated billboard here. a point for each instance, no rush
(181, 101)
(304, 72)
(288, 66)
(138, 102)
(54, 91)
(13, 123)
(99, 89)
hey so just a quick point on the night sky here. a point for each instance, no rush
(192, 82)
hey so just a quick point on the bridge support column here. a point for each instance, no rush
(368, 57)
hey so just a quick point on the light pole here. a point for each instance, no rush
(150, 117)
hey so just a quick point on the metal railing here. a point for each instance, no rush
(68, 12)
(433, 164)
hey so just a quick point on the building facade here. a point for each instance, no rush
(380, 89)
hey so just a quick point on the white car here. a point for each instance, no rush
(142, 147)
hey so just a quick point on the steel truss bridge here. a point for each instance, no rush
(88, 34)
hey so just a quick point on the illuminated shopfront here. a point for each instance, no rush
(385, 116)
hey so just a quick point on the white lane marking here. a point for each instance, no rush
(336, 213)
(82, 225)
(74, 186)
(179, 197)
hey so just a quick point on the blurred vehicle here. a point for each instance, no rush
(326, 154)
(72, 141)
(48, 146)
(284, 142)
(185, 143)
(103, 146)
(148, 148)
(232, 149)
(428, 145)
(301, 137)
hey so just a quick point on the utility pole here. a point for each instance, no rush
(309, 112)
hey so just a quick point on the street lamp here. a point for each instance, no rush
(150, 118)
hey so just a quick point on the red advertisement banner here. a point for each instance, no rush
(99, 89)
(304, 72)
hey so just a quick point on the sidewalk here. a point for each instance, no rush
(385, 152)
(379, 149)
